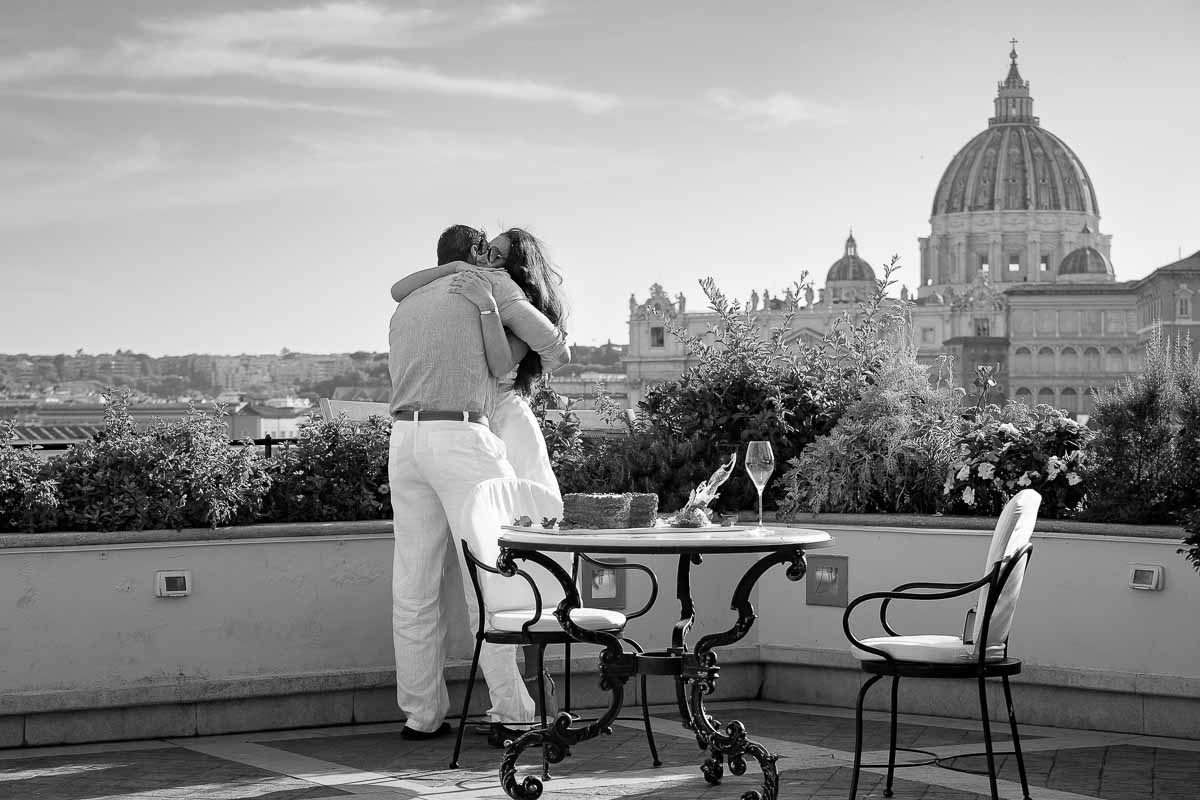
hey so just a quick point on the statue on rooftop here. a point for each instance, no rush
(680, 302)
(633, 303)
(808, 296)
(753, 300)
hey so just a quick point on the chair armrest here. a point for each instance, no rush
(953, 590)
(537, 596)
(619, 566)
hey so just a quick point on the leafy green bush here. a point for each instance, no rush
(1135, 474)
(1002, 450)
(29, 497)
(336, 470)
(744, 384)
(1187, 433)
(176, 474)
(1191, 527)
(888, 451)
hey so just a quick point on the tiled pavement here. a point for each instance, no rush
(371, 762)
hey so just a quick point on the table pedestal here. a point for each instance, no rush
(695, 672)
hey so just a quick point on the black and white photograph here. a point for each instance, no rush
(775, 400)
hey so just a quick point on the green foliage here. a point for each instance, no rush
(1187, 435)
(336, 470)
(180, 474)
(888, 451)
(29, 497)
(1138, 473)
(1191, 550)
(745, 385)
(1002, 450)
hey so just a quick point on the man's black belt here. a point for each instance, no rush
(415, 415)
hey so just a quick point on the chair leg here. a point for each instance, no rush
(566, 706)
(1012, 723)
(858, 731)
(987, 737)
(462, 722)
(541, 675)
(887, 789)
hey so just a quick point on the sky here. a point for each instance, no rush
(234, 176)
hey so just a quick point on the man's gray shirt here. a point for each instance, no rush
(436, 353)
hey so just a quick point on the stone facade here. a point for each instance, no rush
(1014, 273)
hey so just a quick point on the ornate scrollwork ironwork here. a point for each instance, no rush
(616, 666)
(732, 744)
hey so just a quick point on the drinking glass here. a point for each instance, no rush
(760, 463)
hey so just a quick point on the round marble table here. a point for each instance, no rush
(694, 668)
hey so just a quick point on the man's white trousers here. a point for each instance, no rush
(432, 466)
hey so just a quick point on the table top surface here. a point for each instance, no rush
(664, 540)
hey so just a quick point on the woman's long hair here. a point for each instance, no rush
(533, 271)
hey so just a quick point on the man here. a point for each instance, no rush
(441, 448)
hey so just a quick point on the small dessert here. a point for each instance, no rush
(595, 511)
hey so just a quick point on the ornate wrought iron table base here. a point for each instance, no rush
(695, 672)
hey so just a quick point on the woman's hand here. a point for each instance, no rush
(474, 287)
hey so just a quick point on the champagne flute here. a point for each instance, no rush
(760, 463)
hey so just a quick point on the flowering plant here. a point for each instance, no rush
(1004, 450)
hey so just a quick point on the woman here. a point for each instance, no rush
(523, 256)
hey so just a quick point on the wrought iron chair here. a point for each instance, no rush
(980, 653)
(516, 613)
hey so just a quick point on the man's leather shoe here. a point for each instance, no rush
(414, 735)
(501, 733)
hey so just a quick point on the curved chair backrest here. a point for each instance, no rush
(498, 502)
(1013, 531)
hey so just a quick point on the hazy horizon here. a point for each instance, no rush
(228, 177)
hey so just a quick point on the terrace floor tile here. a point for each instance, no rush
(372, 762)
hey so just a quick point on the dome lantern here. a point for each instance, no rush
(1013, 102)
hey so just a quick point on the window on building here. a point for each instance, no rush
(1185, 308)
(1044, 263)
(927, 335)
(984, 266)
(658, 337)
(1014, 263)
(982, 327)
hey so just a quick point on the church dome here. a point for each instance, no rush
(1015, 164)
(850, 267)
(1085, 261)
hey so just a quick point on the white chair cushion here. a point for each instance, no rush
(930, 648)
(592, 619)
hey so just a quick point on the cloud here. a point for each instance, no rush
(352, 24)
(38, 64)
(204, 100)
(318, 46)
(779, 108)
(500, 14)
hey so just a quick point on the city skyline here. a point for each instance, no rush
(228, 177)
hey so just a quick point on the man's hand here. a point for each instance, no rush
(476, 288)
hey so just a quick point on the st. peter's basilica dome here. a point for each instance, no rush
(1015, 164)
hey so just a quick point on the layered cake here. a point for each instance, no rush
(643, 510)
(595, 511)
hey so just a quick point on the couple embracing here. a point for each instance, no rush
(460, 418)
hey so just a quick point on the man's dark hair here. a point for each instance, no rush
(456, 243)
